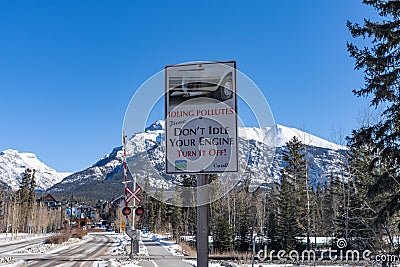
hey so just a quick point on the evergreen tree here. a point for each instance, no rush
(151, 213)
(220, 221)
(189, 217)
(317, 212)
(288, 217)
(161, 212)
(176, 217)
(339, 201)
(245, 219)
(381, 65)
(23, 191)
(2, 210)
(295, 195)
(328, 210)
(223, 234)
(188, 213)
(363, 211)
(32, 185)
(148, 205)
(26, 197)
(271, 221)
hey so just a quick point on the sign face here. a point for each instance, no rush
(132, 194)
(201, 118)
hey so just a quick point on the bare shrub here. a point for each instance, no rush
(77, 233)
(187, 249)
(57, 239)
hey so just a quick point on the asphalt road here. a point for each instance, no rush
(161, 256)
(8, 247)
(82, 254)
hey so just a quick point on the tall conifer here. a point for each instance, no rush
(380, 62)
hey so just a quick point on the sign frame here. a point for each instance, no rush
(233, 161)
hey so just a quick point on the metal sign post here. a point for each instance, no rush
(134, 201)
(201, 130)
(133, 238)
(130, 195)
(202, 222)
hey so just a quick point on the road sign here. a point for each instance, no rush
(201, 118)
(123, 225)
(132, 194)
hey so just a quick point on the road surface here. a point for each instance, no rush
(8, 247)
(81, 254)
(161, 256)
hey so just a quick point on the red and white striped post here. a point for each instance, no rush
(125, 168)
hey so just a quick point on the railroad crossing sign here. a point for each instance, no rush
(132, 194)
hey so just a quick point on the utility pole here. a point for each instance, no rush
(134, 241)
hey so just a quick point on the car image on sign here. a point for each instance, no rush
(213, 82)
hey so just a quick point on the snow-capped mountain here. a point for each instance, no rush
(146, 159)
(13, 165)
(324, 158)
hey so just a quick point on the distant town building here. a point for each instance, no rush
(48, 201)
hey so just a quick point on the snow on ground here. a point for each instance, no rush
(122, 248)
(10, 237)
(34, 249)
(121, 251)
(116, 263)
(14, 263)
(44, 248)
(231, 264)
(210, 264)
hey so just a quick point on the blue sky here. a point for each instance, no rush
(68, 69)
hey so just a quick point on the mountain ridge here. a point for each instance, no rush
(322, 156)
(145, 148)
(13, 164)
